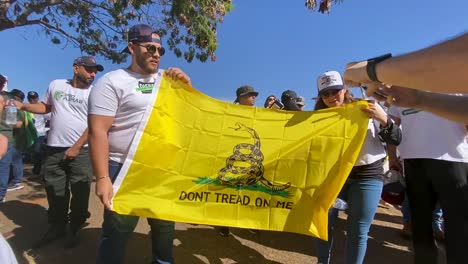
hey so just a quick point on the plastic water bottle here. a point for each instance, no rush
(340, 204)
(10, 113)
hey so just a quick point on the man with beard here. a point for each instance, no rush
(116, 107)
(66, 166)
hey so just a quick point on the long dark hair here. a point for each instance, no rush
(348, 98)
(266, 100)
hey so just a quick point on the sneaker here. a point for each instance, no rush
(53, 233)
(3, 200)
(14, 187)
(224, 231)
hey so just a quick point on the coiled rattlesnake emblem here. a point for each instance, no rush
(244, 167)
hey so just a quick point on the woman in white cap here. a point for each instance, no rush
(363, 187)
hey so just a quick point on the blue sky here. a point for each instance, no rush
(271, 45)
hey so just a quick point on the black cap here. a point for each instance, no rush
(17, 93)
(289, 93)
(88, 61)
(32, 95)
(141, 33)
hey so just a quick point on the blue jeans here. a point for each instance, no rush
(117, 229)
(17, 166)
(362, 196)
(437, 216)
(5, 162)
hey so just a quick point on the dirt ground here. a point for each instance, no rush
(23, 219)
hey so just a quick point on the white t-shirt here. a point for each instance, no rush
(428, 136)
(372, 149)
(125, 95)
(40, 123)
(69, 114)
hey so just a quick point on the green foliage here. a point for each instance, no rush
(98, 27)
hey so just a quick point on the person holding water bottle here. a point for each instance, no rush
(10, 119)
(363, 188)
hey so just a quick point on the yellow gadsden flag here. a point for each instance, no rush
(199, 160)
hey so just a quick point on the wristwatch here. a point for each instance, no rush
(371, 66)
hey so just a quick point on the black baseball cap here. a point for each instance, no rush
(88, 61)
(17, 93)
(141, 33)
(32, 95)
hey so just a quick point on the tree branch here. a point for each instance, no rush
(35, 8)
(56, 29)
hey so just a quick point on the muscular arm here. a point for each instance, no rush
(439, 68)
(99, 152)
(39, 108)
(448, 106)
(452, 107)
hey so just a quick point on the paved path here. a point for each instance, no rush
(23, 220)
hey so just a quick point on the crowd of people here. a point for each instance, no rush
(79, 125)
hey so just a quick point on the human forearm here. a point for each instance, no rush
(439, 68)
(82, 140)
(447, 106)
(391, 151)
(39, 108)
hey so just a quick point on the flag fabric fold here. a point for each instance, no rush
(199, 160)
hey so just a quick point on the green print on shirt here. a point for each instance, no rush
(145, 87)
(410, 111)
(59, 95)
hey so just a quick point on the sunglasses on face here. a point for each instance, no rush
(329, 93)
(152, 49)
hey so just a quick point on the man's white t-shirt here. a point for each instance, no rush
(125, 95)
(428, 136)
(69, 113)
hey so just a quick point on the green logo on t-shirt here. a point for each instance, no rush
(145, 87)
(59, 95)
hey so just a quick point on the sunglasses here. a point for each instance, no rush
(152, 49)
(329, 93)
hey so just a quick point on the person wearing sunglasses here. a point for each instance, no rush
(363, 188)
(116, 107)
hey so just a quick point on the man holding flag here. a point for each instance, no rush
(116, 108)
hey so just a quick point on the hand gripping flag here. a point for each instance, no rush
(199, 160)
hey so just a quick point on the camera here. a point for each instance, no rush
(277, 105)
